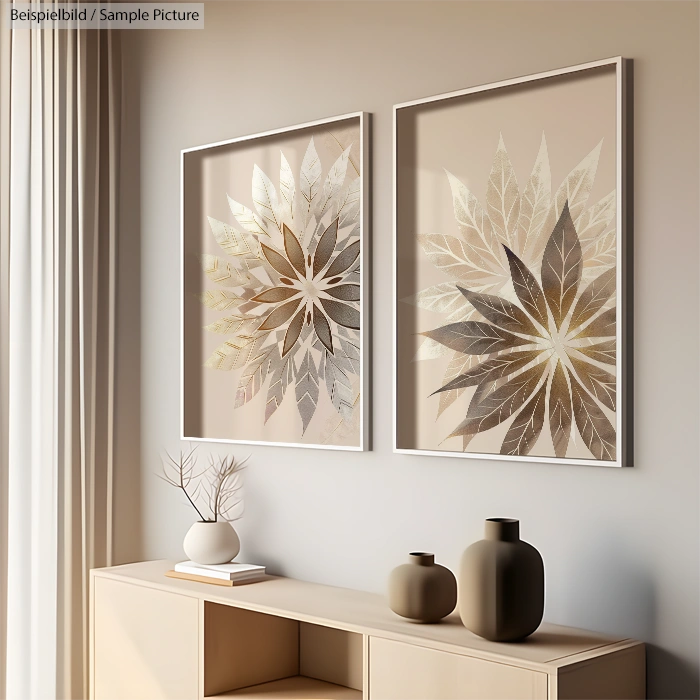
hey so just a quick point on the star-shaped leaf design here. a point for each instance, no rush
(289, 283)
(544, 360)
(516, 224)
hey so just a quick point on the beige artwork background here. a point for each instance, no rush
(209, 394)
(461, 135)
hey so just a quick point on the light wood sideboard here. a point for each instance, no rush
(153, 637)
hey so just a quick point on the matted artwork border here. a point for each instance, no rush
(364, 284)
(623, 221)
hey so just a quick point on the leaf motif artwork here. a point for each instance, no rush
(538, 358)
(509, 271)
(286, 279)
(476, 256)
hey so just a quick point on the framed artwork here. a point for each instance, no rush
(274, 300)
(510, 272)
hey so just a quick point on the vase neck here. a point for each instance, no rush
(502, 529)
(421, 558)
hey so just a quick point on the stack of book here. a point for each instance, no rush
(230, 574)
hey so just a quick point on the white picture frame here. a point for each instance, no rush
(363, 441)
(623, 172)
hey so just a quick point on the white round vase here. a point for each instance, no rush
(211, 543)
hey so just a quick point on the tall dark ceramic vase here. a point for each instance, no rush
(501, 584)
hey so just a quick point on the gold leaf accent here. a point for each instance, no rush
(222, 272)
(240, 325)
(220, 299)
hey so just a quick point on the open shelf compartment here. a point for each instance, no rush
(250, 654)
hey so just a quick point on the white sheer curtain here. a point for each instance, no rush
(59, 125)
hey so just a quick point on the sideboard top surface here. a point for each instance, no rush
(367, 613)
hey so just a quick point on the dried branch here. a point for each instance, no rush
(220, 489)
(180, 474)
(225, 485)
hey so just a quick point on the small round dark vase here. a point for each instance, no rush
(501, 584)
(422, 590)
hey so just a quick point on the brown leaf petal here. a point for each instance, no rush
(278, 261)
(527, 426)
(602, 327)
(596, 430)
(592, 298)
(474, 337)
(323, 329)
(293, 250)
(280, 315)
(499, 405)
(600, 383)
(343, 261)
(342, 314)
(346, 292)
(293, 332)
(528, 290)
(561, 267)
(601, 352)
(275, 294)
(459, 364)
(491, 370)
(325, 247)
(560, 411)
(502, 313)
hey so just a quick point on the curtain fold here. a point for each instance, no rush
(59, 197)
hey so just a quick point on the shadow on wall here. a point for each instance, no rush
(623, 602)
(127, 448)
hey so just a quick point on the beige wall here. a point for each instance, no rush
(620, 546)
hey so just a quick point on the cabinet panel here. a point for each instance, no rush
(618, 676)
(145, 643)
(399, 671)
